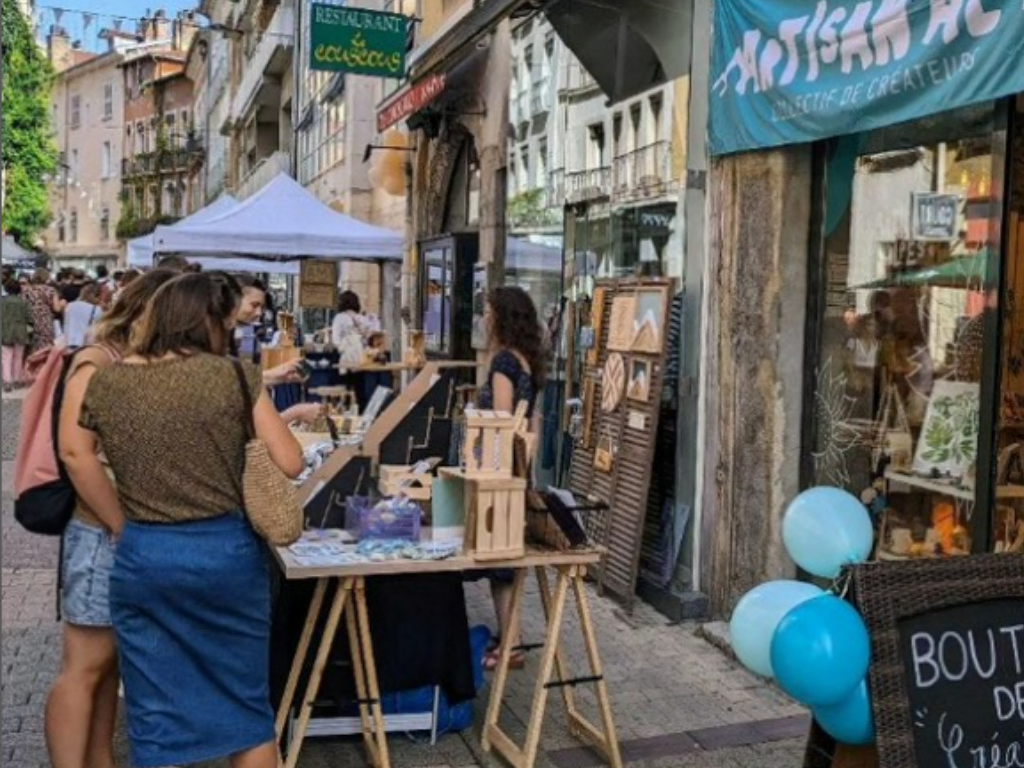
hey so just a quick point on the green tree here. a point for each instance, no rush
(29, 151)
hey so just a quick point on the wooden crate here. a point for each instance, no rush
(495, 516)
(487, 451)
(391, 479)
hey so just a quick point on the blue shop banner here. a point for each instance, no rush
(795, 71)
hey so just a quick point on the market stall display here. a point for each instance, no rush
(619, 418)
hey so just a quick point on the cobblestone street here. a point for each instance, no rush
(677, 700)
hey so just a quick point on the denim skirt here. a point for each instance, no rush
(190, 605)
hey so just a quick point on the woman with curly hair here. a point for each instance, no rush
(517, 374)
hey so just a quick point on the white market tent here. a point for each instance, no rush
(141, 249)
(281, 222)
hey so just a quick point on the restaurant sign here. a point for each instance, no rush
(357, 41)
(409, 101)
(793, 71)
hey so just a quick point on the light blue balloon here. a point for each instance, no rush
(851, 721)
(825, 529)
(821, 651)
(758, 614)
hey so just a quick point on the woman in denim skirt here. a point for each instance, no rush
(81, 712)
(190, 587)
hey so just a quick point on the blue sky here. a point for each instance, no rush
(103, 10)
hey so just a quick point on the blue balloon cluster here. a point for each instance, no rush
(813, 644)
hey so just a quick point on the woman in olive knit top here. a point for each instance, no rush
(190, 589)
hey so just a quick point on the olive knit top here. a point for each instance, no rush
(174, 433)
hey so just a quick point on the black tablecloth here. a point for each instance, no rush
(420, 632)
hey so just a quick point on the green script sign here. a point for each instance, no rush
(357, 41)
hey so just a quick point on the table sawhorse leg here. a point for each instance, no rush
(319, 665)
(300, 656)
(364, 665)
(554, 673)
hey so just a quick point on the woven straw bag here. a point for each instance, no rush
(271, 502)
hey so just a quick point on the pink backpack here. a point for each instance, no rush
(44, 495)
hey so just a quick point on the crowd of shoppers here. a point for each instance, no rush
(152, 431)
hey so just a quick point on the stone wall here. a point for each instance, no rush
(759, 213)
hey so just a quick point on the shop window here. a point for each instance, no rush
(907, 330)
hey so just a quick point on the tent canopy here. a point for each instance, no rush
(18, 256)
(141, 249)
(283, 221)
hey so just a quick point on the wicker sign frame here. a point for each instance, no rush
(920, 713)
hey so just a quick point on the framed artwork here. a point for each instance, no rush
(639, 381)
(651, 306)
(589, 396)
(613, 382)
(621, 326)
(948, 443)
(597, 324)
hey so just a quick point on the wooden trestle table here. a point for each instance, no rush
(349, 603)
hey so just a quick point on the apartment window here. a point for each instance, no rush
(76, 111)
(61, 229)
(73, 233)
(172, 137)
(512, 177)
(542, 163)
(141, 139)
(657, 108)
(105, 224)
(635, 137)
(595, 146)
(108, 101)
(524, 167)
(73, 166)
(618, 147)
(107, 160)
(527, 77)
(549, 56)
(184, 120)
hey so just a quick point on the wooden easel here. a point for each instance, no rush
(554, 673)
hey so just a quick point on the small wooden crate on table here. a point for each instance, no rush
(495, 499)
(395, 480)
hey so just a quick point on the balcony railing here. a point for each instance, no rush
(578, 79)
(269, 59)
(166, 161)
(263, 173)
(589, 184)
(645, 171)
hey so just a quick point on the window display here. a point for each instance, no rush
(911, 248)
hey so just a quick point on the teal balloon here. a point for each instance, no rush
(851, 721)
(825, 529)
(821, 651)
(756, 617)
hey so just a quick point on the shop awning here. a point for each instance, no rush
(792, 72)
(628, 48)
(967, 272)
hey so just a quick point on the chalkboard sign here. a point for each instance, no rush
(965, 677)
(947, 666)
